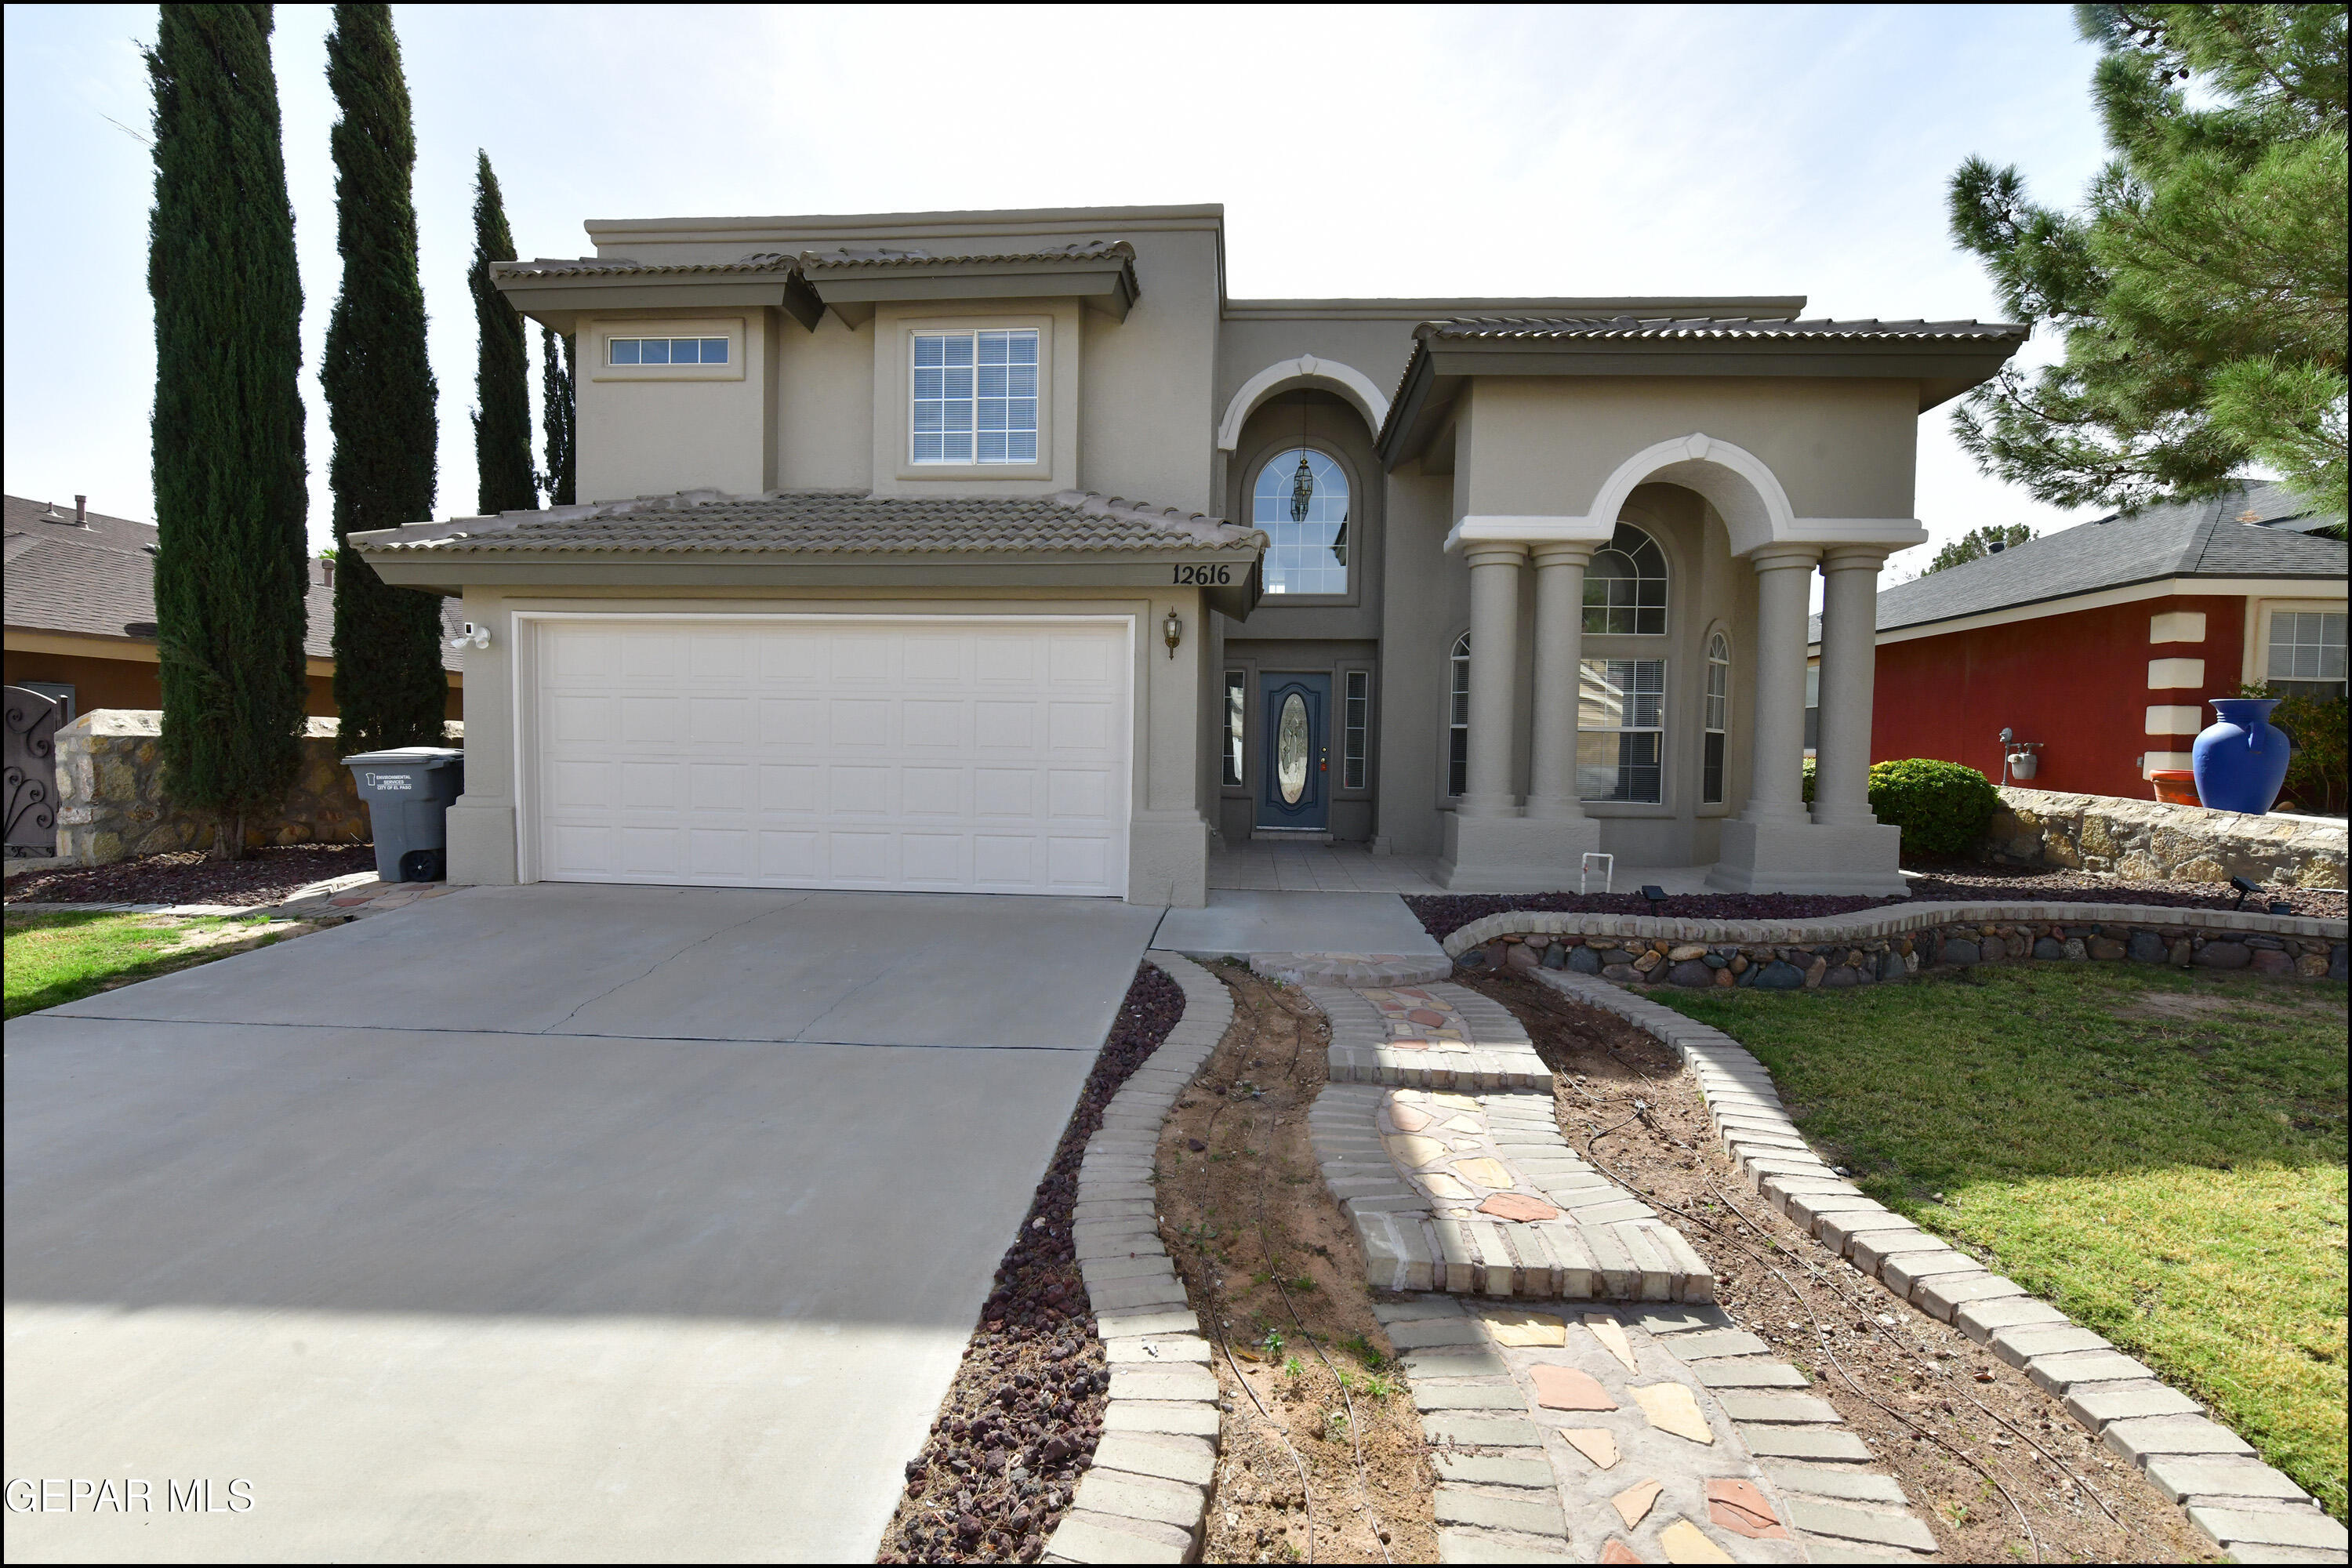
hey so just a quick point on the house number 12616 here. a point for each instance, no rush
(1203, 576)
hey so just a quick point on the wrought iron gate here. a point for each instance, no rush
(32, 777)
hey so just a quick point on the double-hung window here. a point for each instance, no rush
(975, 397)
(2306, 653)
(1621, 730)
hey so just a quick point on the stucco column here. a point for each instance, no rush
(1494, 670)
(1559, 626)
(1784, 577)
(1849, 668)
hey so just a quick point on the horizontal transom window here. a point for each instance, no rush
(666, 350)
(975, 397)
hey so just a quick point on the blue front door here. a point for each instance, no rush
(1293, 752)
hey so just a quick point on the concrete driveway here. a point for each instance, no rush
(550, 1222)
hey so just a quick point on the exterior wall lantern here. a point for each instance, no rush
(1172, 629)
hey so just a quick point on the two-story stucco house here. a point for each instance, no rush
(1004, 552)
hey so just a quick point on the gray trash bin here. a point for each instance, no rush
(408, 790)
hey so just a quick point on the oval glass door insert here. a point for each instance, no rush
(1290, 749)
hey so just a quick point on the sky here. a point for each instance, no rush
(1357, 151)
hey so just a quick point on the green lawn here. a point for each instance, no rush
(59, 958)
(2160, 1153)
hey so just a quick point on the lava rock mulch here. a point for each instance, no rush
(1020, 1422)
(1442, 914)
(263, 877)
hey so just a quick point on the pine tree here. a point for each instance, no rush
(2200, 291)
(1978, 544)
(232, 562)
(556, 419)
(502, 384)
(389, 685)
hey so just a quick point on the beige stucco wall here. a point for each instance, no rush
(1144, 426)
(1544, 446)
(649, 431)
(1168, 832)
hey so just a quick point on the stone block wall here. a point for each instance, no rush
(2151, 841)
(110, 784)
(1870, 959)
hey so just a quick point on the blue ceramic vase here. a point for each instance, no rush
(2241, 759)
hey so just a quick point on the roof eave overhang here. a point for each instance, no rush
(559, 302)
(452, 572)
(1941, 371)
(1106, 285)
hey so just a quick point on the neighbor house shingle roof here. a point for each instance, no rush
(2243, 532)
(839, 522)
(101, 582)
(1654, 329)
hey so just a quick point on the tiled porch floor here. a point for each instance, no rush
(1352, 868)
(1320, 869)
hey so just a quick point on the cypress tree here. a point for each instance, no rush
(502, 382)
(389, 686)
(556, 418)
(232, 562)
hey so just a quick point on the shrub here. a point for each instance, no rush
(1943, 808)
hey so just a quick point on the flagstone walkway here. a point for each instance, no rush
(1462, 1182)
(1636, 1426)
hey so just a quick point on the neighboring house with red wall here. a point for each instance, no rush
(81, 612)
(2104, 642)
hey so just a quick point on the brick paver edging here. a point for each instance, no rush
(1890, 919)
(1144, 1496)
(2252, 1512)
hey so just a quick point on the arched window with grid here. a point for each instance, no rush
(1300, 499)
(1457, 718)
(1625, 586)
(1718, 717)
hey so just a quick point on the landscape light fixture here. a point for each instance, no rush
(2244, 887)
(1655, 894)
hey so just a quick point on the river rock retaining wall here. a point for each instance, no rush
(111, 784)
(2153, 841)
(1874, 946)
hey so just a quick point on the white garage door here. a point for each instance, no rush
(959, 754)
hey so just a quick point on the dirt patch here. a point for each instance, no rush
(1918, 1392)
(1020, 1422)
(1319, 1428)
(263, 877)
(2191, 1004)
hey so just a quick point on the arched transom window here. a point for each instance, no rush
(1625, 586)
(1300, 499)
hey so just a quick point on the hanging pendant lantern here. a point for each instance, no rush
(1302, 490)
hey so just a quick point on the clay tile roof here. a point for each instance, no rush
(622, 267)
(817, 262)
(1686, 328)
(834, 522)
